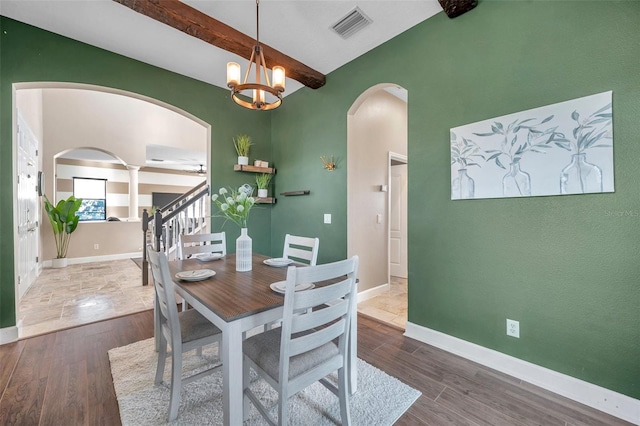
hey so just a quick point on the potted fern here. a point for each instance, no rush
(64, 221)
(262, 181)
(242, 143)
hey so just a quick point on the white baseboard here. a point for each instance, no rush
(372, 292)
(90, 259)
(8, 334)
(608, 401)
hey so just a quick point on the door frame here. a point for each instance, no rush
(393, 159)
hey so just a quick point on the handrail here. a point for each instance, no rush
(182, 207)
(169, 214)
(183, 197)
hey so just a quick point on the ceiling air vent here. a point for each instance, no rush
(350, 24)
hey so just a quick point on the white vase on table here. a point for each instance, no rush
(243, 251)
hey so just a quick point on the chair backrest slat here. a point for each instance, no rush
(301, 249)
(319, 296)
(308, 342)
(320, 317)
(202, 243)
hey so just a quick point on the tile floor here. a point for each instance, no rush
(85, 293)
(81, 294)
(390, 307)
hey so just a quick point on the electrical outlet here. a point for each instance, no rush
(327, 218)
(513, 328)
(96, 246)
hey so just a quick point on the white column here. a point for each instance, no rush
(133, 192)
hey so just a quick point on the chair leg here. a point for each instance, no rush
(162, 359)
(283, 413)
(246, 379)
(343, 395)
(176, 382)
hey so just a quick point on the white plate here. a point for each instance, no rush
(195, 275)
(280, 286)
(206, 257)
(278, 262)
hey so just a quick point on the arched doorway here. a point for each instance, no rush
(376, 127)
(66, 118)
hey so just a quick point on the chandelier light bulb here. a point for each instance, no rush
(258, 98)
(278, 76)
(233, 74)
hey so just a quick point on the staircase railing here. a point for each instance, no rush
(186, 215)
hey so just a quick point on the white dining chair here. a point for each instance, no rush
(301, 249)
(190, 244)
(183, 331)
(304, 351)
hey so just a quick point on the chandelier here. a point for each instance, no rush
(260, 99)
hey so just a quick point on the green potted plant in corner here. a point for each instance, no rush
(242, 143)
(262, 181)
(64, 221)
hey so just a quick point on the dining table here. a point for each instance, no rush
(237, 302)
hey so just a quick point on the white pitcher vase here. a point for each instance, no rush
(243, 251)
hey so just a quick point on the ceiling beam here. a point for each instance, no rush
(197, 24)
(455, 8)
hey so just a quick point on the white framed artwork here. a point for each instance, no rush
(559, 149)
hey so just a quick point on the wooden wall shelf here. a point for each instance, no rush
(254, 169)
(303, 192)
(265, 200)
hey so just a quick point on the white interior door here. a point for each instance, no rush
(28, 213)
(398, 221)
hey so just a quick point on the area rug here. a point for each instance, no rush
(380, 400)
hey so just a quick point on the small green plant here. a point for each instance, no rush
(242, 143)
(234, 205)
(63, 221)
(263, 180)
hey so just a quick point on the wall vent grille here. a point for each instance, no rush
(351, 23)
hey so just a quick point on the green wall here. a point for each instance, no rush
(566, 267)
(28, 54)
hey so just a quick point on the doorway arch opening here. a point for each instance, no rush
(150, 121)
(377, 136)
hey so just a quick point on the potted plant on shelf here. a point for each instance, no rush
(242, 144)
(262, 181)
(64, 221)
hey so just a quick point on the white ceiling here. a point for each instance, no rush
(300, 29)
(158, 156)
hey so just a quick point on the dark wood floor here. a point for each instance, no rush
(64, 378)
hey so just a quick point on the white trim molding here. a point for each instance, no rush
(602, 399)
(105, 258)
(8, 334)
(372, 292)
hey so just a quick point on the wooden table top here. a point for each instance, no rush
(229, 294)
